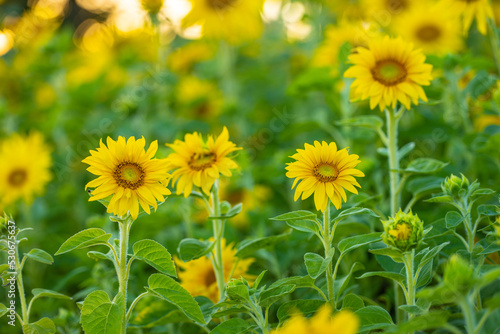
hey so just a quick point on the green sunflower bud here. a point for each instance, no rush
(404, 232)
(238, 289)
(152, 6)
(459, 275)
(455, 186)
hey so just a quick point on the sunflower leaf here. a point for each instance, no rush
(155, 255)
(83, 239)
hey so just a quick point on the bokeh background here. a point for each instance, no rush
(78, 71)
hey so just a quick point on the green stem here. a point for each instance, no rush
(328, 246)
(122, 265)
(410, 279)
(392, 148)
(20, 287)
(495, 44)
(218, 226)
(469, 317)
(134, 303)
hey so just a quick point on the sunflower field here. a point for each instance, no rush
(249, 166)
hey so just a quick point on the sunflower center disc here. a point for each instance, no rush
(17, 177)
(325, 172)
(396, 5)
(389, 72)
(428, 33)
(129, 175)
(220, 4)
(201, 161)
(210, 278)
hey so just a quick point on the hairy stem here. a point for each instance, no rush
(20, 286)
(328, 246)
(218, 226)
(122, 265)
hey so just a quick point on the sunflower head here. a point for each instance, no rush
(199, 163)
(324, 171)
(404, 232)
(198, 276)
(344, 322)
(24, 168)
(129, 175)
(389, 71)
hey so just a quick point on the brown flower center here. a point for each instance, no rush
(396, 6)
(428, 33)
(389, 72)
(17, 177)
(210, 278)
(129, 175)
(202, 161)
(220, 4)
(325, 172)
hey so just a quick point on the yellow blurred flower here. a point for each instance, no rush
(383, 11)
(431, 27)
(347, 9)
(184, 58)
(252, 199)
(343, 322)
(355, 33)
(325, 172)
(199, 163)
(198, 276)
(200, 98)
(388, 71)
(6, 41)
(483, 121)
(470, 10)
(24, 168)
(129, 174)
(235, 21)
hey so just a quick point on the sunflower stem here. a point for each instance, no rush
(409, 261)
(125, 226)
(218, 226)
(392, 148)
(20, 286)
(328, 246)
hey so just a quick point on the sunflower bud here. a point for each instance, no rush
(238, 289)
(152, 6)
(459, 275)
(405, 231)
(455, 186)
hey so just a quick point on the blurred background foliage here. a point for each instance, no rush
(81, 70)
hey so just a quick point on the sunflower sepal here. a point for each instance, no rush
(228, 211)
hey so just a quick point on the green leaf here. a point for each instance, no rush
(38, 293)
(316, 264)
(295, 215)
(155, 255)
(403, 151)
(232, 326)
(256, 283)
(304, 307)
(151, 312)
(394, 254)
(373, 317)
(42, 326)
(237, 290)
(355, 211)
(304, 225)
(431, 254)
(487, 210)
(40, 255)
(229, 311)
(247, 247)
(420, 185)
(340, 285)
(192, 249)
(101, 256)
(298, 281)
(440, 199)
(483, 192)
(453, 219)
(83, 239)
(100, 315)
(269, 297)
(493, 248)
(430, 320)
(348, 244)
(370, 121)
(424, 166)
(166, 288)
(230, 213)
(3, 310)
(352, 302)
(398, 278)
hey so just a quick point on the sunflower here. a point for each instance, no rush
(388, 71)
(24, 168)
(199, 163)
(200, 99)
(324, 171)
(384, 10)
(432, 28)
(129, 174)
(472, 9)
(198, 276)
(232, 20)
(355, 33)
(343, 322)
